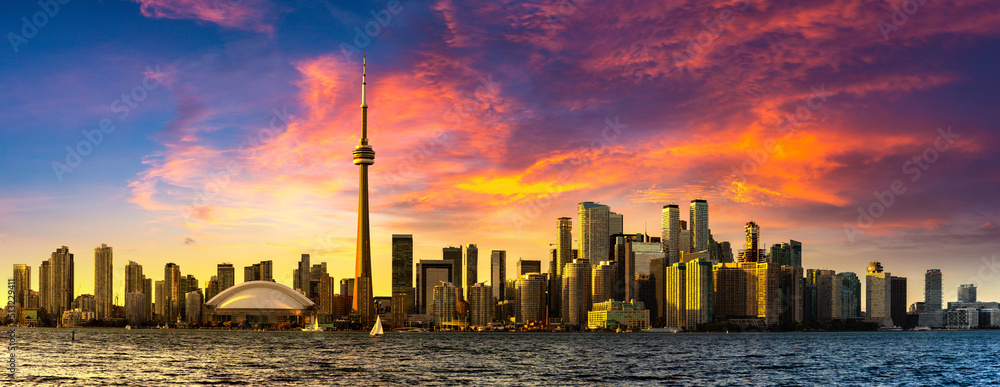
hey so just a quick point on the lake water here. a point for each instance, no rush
(179, 357)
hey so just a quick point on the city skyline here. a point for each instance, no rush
(226, 133)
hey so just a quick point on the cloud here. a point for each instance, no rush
(253, 15)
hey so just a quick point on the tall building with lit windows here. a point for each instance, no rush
(576, 292)
(698, 293)
(878, 293)
(674, 305)
(752, 251)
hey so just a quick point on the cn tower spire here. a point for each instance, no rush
(364, 155)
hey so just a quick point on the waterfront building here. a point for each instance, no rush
(618, 314)
(86, 303)
(531, 297)
(657, 277)
(161, 301)
(963, 318)
(554, 297)
(194, 303)
(698, 293)
(932, 314)
(259, 302)
(878, 294)
(103, 281)
(480, 304)
(603, 285)
(675, 285)
(595, 244)
(700, 231)
(967, 293)
(430, 273)
(829, 295)
(576, 292)
(790, 285)
(135, 308)
(670, 232)
(443, 305)
(498, 274)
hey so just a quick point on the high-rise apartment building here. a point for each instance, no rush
(698, 293)
(595, 241)
(576, 293)
(480, 304)
(700, 232)
(103, 281)
(878, 293)
(674, 305)
(443, 305)
(498, 273)
(564, 243)
(933, 299)
(531, 298)
(751, 253)
(670, 219)
(60, 282)
(851, 287)
(897, 309)
(402, 273)
(22, 283)
(302, 275)
(173, 292)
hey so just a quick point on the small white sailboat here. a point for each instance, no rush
(377, 329)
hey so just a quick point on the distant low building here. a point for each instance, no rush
(617, 314)
(76, 317)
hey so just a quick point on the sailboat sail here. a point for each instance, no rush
(377, 329)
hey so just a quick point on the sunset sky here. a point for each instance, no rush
(229, 127)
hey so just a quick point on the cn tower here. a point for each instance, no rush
(364, 156)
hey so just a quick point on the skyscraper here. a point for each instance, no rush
(498, 273)
(443, 305)
(172, 290)
(878, 293)
(670, 219)
(576, 293)
(595, 241)
(674, 305)
(60, 278)
(897, 308)
(226, 274)
(103, 281)
(471, 268)
(967, 293)
(751, 254)
(851, 286)
(796, 253)
(698, 293)
(699, 225)
(531, 298)
(454, 255)
(402, 272)
(933, 291)
(133, 277)
(45, 286)
(22, 283)
(364, 156)
(480, 305)
(564, 243)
